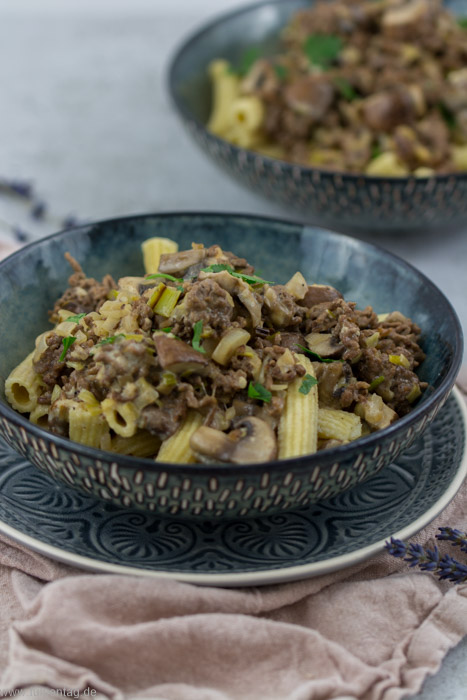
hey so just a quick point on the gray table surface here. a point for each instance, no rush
(85, 116)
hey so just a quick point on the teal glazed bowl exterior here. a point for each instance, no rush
(346, 202)
(32, 278)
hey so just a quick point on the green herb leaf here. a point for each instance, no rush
(281, 71)
(250, 279)
(249, 57)
(162, 274)
(345, 88)
(376, 151)
(197, 330)
(376, 382)
(462, 22)
(259, 392)
(308, 382)
(67, 343)
(322, 49)
(75, 319)
(166, 330)
(111, 339)
(448, 116)
(316, 357)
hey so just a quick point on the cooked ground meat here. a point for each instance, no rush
(163, 421)
(398, 381)
(49, 365)
(84, 294)
(207, 302)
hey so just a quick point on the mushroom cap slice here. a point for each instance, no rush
(252, 440)
(177, 263)
(176, 356)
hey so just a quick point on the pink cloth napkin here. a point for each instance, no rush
(370, 632)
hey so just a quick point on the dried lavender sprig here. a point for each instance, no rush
(446, 568)
(19, 188)
(452, 570)
(456, 537)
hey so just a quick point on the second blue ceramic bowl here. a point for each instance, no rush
(344, 202)
(34, 277)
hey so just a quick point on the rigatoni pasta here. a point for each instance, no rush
(202, 360)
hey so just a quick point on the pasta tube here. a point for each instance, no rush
(87, 428)
(225, 89)
(40, 415)
(23, 386)
(247, 115)
(338, 425)
(142, 444)
(152, 249)
(298, 426)
(121, 416)
(176, 448)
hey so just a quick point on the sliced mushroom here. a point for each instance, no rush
(330, 378)
(177, 263)
(385, 110)
(132, 285)
(252, 440)
(324, 344)
(176, 356)
(404, 20)
(261, 79)
(318, 293)
(310, 96)
(235, 285)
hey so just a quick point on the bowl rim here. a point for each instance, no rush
(193, 37)
(317, 459)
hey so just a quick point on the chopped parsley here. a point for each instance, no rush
(197, 330)
(67, 343)
(249, 57)
(250, 279)
(75, 319)
(166, 330)
(317, 358)
(448, 116)
(156, 275)
(307, 383)
(111, 339)
(345, 88)
(376, 382)
(322, 49)
(281, 71)
(376, 151)
(259, 392)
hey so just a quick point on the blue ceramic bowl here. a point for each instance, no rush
(346, 202)
(32, 278)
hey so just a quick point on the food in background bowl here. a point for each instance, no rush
(359, 86)
(203, 360)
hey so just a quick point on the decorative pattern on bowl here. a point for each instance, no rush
(218, 492)
(88, 532)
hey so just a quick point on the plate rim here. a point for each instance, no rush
(266, 576)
